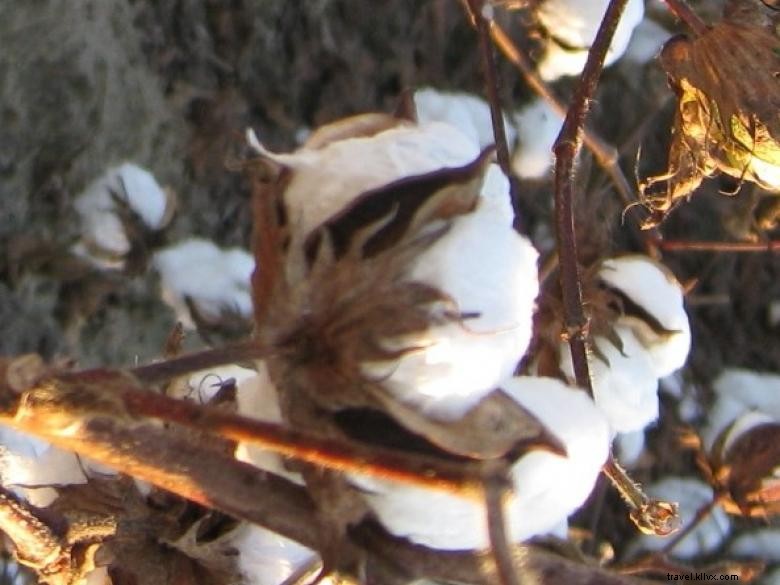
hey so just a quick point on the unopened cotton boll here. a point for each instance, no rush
(547, 487)
(652, 287)
(574, 23)
(625, 386)
(217, 281)
(468, 113)
(538, 126)
(691, 495)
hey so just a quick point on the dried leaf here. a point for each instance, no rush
(727, 83)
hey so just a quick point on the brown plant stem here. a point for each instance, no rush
(566, 148)
(771, 246)
(489, 72)
(684, 12)
(202, 360)
(495, 496)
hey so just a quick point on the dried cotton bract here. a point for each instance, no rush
(728, 95)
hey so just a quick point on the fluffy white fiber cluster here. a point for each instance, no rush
(625, 379)
(572, 26)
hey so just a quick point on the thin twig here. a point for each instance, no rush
(495, 495)
(202, 360)
(684, 12)
(771, 246)
(566, 148)
(482, 24)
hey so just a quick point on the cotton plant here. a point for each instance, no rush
(215, 281)
(101, 209)
(572, 25)
(538, 125)
(649, 339)
(485, 269)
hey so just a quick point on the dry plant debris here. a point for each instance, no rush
(407, 393)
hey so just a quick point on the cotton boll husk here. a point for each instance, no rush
(327, 179)
(625, 387)
(651, 286)
(538, 125)
(763, 544)
(738, 392)
(691, 494)
(575, 23)
(486, 268)
(267, 558)
(216, 280)
(468, 113)
(547, 487)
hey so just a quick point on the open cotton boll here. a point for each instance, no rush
(215, 280)
(738, 392)
(488, 270)
(265, 557)
(629, 447)
(691, 495)
(538, 125)
(625, 386)
(468, 113)
(646, 42)
(547, 487)
(654, 289)
(575, 23)
(326, 179)
(102, 228)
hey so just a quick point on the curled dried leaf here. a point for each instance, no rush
(727, 83)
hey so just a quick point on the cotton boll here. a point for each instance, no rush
(547, 487)
(625, 386)
(691, 494)
(575, 23)
(267, 558)
(217, 281)
(104, 237)
(326, 179)
(203, 386)
(538, 125)
(651, 286)
(738, 392)
(468, 113)
(488, 270)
